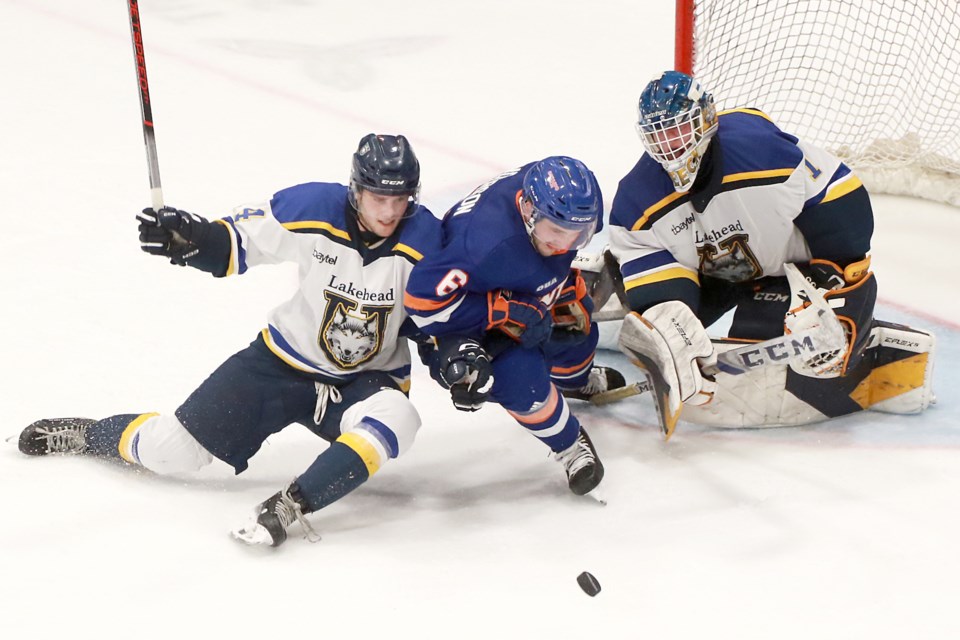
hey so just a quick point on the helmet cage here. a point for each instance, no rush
(675, 122)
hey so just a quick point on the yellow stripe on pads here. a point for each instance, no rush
(842, 189)
(660, 276)
(891, 380)
(366, 451)
(126, 438)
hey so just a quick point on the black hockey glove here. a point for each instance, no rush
(172, 233)
(463, 366)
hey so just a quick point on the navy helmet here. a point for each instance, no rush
(385, 165)
(676, 119)
(565, 193)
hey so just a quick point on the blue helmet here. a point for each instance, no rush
(676, 119)
(562, 191)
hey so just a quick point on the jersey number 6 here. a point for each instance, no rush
(451, 282)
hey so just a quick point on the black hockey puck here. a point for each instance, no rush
(588, 583)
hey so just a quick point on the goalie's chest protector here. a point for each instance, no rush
(346, 314)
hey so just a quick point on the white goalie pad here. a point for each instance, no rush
(900, 382)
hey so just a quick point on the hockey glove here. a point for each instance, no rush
(461, 365)
(572, 311)
(521, 316)
(851, 293)
(172, 233)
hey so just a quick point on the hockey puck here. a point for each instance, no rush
(588, 583)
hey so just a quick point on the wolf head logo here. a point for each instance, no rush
(351, 339)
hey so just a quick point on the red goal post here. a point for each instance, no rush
(875, 81)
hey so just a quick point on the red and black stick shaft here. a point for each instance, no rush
(146, 110)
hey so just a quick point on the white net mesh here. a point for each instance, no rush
(875, 81)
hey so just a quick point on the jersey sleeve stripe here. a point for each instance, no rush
(661, 276)
(646, 263)
(237, 262)
(407, 250)
(659, 209)
(772, 176)
(842, 187)
(425, 304)
(315, 226)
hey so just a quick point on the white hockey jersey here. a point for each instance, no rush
(770, 199)
(347, 314)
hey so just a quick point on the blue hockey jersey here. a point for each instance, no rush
(486, 247)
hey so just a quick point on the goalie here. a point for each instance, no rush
(705, 223)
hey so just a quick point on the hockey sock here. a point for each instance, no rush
(103, 438)
(335, 473)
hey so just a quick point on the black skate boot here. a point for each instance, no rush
(583, 466)
(273, 516)
(55, 435)
(600, 379)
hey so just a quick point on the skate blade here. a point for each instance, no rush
(596, 495)
(252, 534)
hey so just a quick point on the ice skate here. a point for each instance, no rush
(273, 516)
(55, 435)
(583, 466)
(599, 380)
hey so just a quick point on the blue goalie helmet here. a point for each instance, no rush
(676, 119)
(385, 165)
(563, 204)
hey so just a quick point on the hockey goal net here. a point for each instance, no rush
(875, 81)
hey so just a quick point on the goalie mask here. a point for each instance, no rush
(561, 205)
(676, 120)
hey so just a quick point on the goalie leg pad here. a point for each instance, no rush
(902, 375)
(895, 378)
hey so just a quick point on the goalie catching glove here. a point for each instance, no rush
(824, 289)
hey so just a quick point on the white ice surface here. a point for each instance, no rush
(843, 530)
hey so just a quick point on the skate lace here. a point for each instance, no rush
(64, 439)
(596, 381)
(576, 456)
(288, 511)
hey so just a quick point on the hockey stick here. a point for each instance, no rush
(146, 111)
